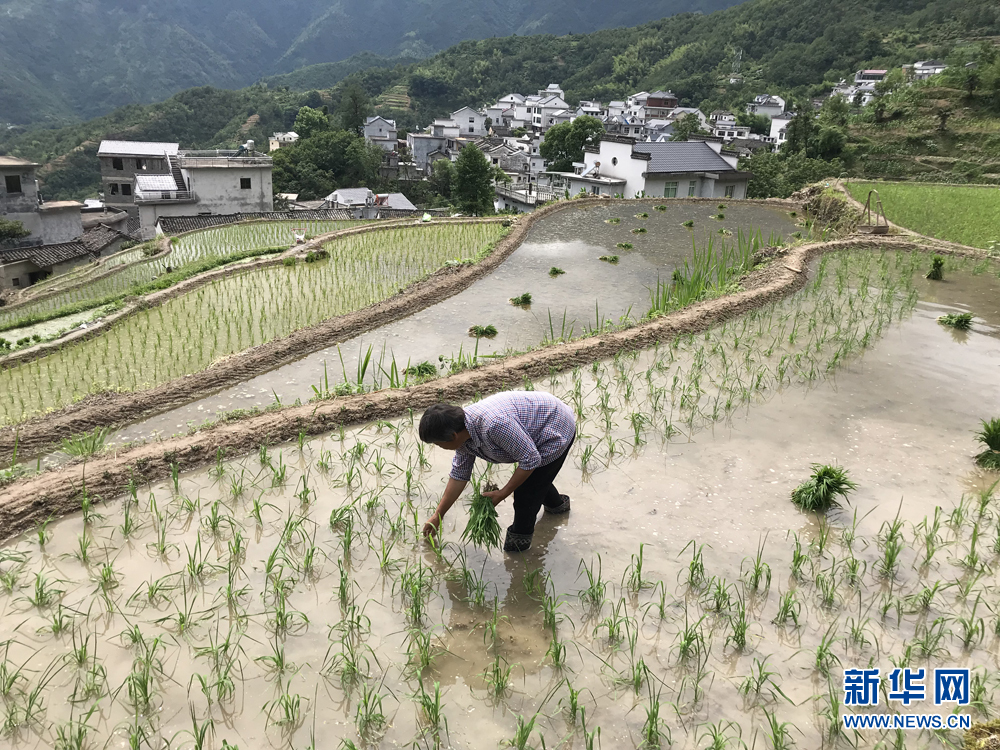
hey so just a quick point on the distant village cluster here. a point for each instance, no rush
(639, 154)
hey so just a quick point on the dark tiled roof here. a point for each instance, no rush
(682, 156)
(44, 256)
(99, 237)
(178, 224)
(396, 213)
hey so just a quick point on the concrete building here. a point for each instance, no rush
(695, 169)
(766, 104)
(779, 128)
(382, 132)
(470, 122)
(362, 203)
(659, 104)
(923, 69)
(151, 180)
(277, 140)
(49, 222)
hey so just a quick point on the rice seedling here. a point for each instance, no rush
(936, 272)
(739, 624)
(696, 568)
(593, 595)
(612, 259)
(632, 579)
(487, 331)
(959, 321)
(725, 734)
(823, 488)
(654, 729)
(789, 608)
(522, 733)
(483, 527)
(758, 572)
(989, 436)
(497, 677)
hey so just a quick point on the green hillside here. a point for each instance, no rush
(797, 48)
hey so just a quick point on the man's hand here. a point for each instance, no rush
(433, 525)
(497, 496)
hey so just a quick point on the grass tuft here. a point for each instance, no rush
(822, 489)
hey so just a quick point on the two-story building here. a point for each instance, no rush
(277, 140)
(767, 105)
(470, 122)
(382, 132)
(672, 169)
(659, 104)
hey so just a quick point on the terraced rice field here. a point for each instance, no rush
(190, 332)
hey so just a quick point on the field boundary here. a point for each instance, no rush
(30, 501)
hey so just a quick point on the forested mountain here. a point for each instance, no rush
(792, 47)
(65, 59)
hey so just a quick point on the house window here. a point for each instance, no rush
(126, 189)
(472, 119)
(16, 281)
(472, 128)
(691, 188)
(730, 190)
(114, 188)
(140, 164)
(670, 190)
(244, 183)
(117, 163)
(13, 183)
(595, 190)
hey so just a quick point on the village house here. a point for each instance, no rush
(779, 128)
(362, 203)
(382, 132)
(277, 140)
(923, 69)
(619, 166)
(659, 104)
(151, 180)
(470, 122)
(766, 104)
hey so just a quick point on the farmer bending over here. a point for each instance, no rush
(532, 429)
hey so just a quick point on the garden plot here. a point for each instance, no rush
(588, 296)
(190, 248)
(285, 599)
(189, 333)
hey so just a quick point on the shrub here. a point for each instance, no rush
(989, 436)
(823, 487)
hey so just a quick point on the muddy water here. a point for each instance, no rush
(591, 293)
(898, 416)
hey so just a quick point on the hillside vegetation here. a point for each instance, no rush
(798, 48)
(63, 60)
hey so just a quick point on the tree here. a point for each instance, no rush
(564, 143)
(687, 125)
(835, 111)
(800, 130)
(442, 177)
(12, 230)
(309, 122)
(354, 109)
(315, 167)
(473, 187)
(364, 163)
(760, 124)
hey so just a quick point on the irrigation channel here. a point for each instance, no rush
(285, 598)
(591, 294)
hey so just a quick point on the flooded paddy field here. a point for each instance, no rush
(285, 598)
(590, 295)
(192, 331)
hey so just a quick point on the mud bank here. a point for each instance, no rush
(30, 501)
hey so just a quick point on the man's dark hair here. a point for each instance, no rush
(441, 423)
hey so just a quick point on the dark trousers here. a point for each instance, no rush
(537, 491)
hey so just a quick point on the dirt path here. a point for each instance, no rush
(29, 501)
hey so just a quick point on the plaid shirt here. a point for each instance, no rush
(529, 428)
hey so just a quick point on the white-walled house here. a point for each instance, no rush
(381, 131)
(277, 140)
(695, 169)
(470, 122)
(766, 104)
(924, 69)
(779, 127)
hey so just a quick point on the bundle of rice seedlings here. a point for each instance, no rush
(720, 216)
(937, 269)
(961, 321)
(421, 370)
(990, 437)
(609, 258)
(823, 487)
(483, 528)
(639, 230)
(613, 220)
(483, 331)
(689, 223)
(556, 271)
(625, 245)
(521, 301)
(722, 206)
(660, 208)
(643, 215)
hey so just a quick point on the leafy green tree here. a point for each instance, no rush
(354, 109)
(564, 143)
(364, 162)
(315, 167)
(687, 125)
(12, 230)
(473, 187)
(442, 177)
(760, 124)
(309, 122)
(800, 129)
(835, 111)
(778, 175)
